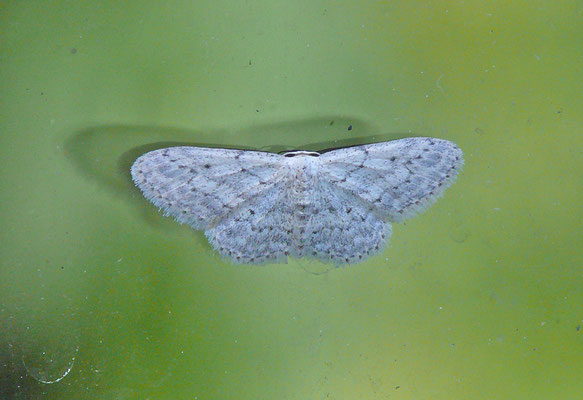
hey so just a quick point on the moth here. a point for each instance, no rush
(335, 206)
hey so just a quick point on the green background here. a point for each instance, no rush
(480, 297)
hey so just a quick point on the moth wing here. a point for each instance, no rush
(399, 178)
(199, 186)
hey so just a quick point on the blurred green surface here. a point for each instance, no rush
(480, 297)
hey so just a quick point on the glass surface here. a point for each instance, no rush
(101, 297)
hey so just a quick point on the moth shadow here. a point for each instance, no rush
(106, 153)
(103, 155)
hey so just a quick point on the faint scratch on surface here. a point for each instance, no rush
(34, 374)
(438, 85)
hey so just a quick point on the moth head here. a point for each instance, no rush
(302, 153)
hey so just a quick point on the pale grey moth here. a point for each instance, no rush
(334, 206)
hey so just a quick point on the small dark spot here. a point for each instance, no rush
(377, 200)
(243, 169)
(73, 50)
(397, 387)
(249, 62)
(418, 157)
(360, 256)
(256, 110)
(349, 127)
(425, 149)
(193, 190)
(343, 180)
(395, 187)
(331, 123)
(578, 328)
(348, 210)
(407, 180)
(346, 259)
(251, 212)
(383, 236)
(286, 253)
(331, 209)
(207, 166)
(238, 257)
(314, 253)
(417, 202)
(447, 176)
(376, 247)
(393, 158)
(252, 259)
